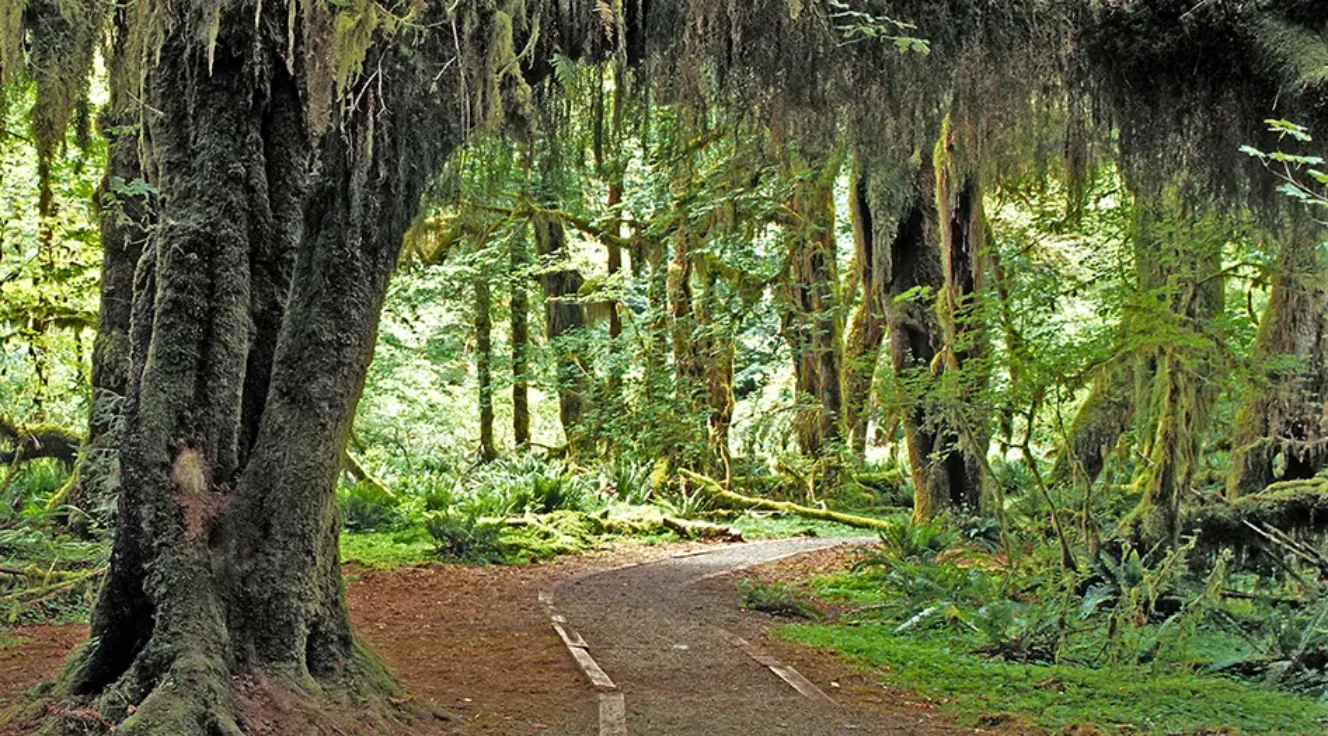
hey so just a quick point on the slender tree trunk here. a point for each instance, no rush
(866, 331)
(686, 363)
(564, 316)
(615, 256)
(812, 324)
(484, 366)
(520, 300)
(1280, 431)
(717, 353)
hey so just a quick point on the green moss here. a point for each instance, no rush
(1054, 696)
(783, 526)
(385, 551)
(1296, 51)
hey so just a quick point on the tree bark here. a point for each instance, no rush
(224, 567)
(519, 260)
(484, 366)
(1280, 432)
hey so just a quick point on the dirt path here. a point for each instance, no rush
(668, 644)
(478, 642)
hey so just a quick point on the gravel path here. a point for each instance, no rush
(660, 640)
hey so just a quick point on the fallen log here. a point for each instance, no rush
(713, 490)
(701, 531)
(34, 441)
(1297, 507)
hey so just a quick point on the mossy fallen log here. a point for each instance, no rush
(701, 531)
(716, 492)
(1297, 508)
(34, 441)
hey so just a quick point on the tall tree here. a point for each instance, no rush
(1279, 433)
(484, 363)
(519, 265)
(866, 330)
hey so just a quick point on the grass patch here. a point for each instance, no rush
(1126, 698)
(763, 525)
(387, 550)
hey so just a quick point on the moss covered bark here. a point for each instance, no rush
(564, 315)
(255, 311)
(866, 330)
(812, 323)
(1280, 431)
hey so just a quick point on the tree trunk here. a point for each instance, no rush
(717, 353)
(866, 331)
(812, 325)
(224, 568)
(686, 363)
(1176, 388)
(963, 261)
(615, 255)
(1280, 431)
(484, 366)
(943, 473)
(564, 315)
(520, 300)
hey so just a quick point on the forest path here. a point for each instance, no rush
(678, 666)
(477, 642)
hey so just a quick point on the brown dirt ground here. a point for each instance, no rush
(473, 641)
(476, 642)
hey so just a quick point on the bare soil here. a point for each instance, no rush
(476, 642)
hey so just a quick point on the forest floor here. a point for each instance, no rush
(664, 622)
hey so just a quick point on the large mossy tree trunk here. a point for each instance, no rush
(945, 475)
(224, 567)
(1280, 433)
(1183, 292)
(963, 248)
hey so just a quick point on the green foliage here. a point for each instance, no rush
(1054, 696)
(366, 508)
(463, 536)
(945, 620)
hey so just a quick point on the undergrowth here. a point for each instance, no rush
(1128, 641)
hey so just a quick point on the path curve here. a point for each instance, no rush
(675, 670)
